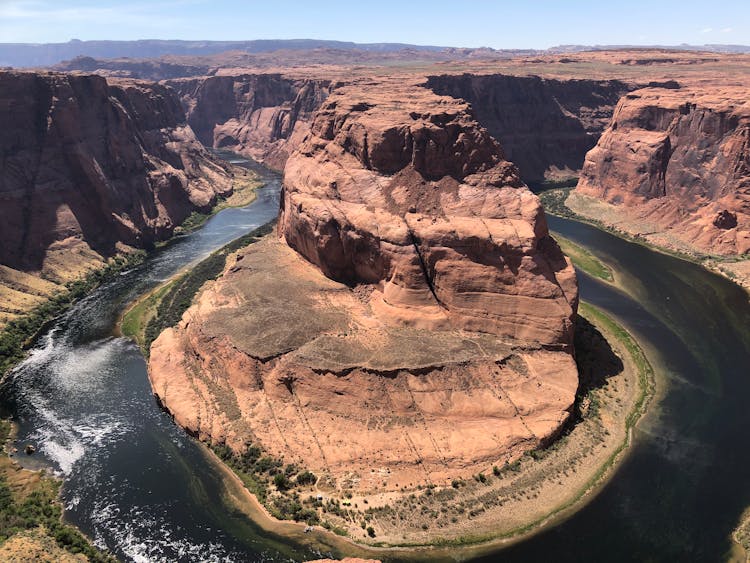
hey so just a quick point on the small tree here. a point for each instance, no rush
(281, 481)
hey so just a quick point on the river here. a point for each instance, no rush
(138, 485)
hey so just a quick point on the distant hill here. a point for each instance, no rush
(712, 47)
(47, 54)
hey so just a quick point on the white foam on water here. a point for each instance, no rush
(73, 502)
(39, 355)
(85, 369)
(64, 441)
(144, 537)
(64, 456)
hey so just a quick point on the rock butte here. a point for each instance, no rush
(88, 167)
(675, 163)
(411, 323)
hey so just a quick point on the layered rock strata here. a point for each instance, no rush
(88, 166)
(546, 126)
(674, 167)
(264, 116)
(412, 322)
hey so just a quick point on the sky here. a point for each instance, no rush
(480, 23)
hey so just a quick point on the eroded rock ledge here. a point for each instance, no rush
(674, 167)
(412, 322)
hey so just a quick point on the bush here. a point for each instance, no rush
(281, 481)
(371, 531)
(306, 478)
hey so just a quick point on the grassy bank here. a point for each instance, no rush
(741, 537)
(583, 259)
(163, 307)
(554, 203)
(30, 511)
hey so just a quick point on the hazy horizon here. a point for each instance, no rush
(500, 25)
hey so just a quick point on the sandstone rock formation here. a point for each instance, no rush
(262, 115)
(412, 324)
(87, 166)
(545, 125)
(675, 167)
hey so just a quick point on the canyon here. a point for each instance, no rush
(410, 322)
(674, 167)
(90, 168)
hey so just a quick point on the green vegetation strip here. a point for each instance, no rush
(20, 334)
(583, 259)
(164, 307)
(35, 505)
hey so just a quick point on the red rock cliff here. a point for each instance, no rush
(676, 165)
(402, 188)
(438, 342)
(546, 126)
(262, 115)
(88, 164)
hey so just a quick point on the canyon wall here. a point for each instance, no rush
(545, 125)
(89, 165)
(412, 323)
(264, 116)
(674, 167)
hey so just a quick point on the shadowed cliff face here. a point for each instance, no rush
(546, 126)
(262, 115)
(88, 165)
(678, 160)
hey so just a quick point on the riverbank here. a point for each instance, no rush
(503, 504)
(741, 537)
(583, 259)
(31, 513)
(21, 333)
(564, 203)
(145, 318)
(244, 185)
(31, 526)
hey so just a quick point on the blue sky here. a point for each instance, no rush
(498, 24)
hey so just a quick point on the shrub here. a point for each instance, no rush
(281, 481)
(306, 478)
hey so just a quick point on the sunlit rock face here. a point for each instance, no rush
(410, 323)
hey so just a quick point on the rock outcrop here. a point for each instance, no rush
(545, 126)
(674, 167)
(264, 116)
(417, 197)
(87, 166)
(411, 324)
